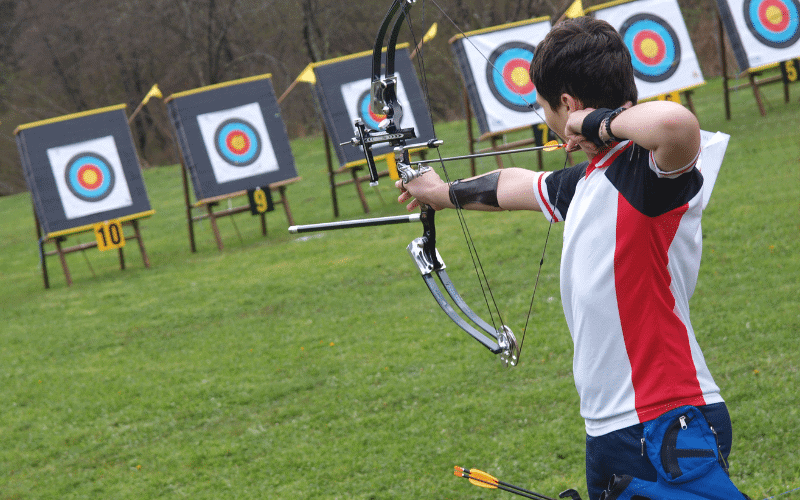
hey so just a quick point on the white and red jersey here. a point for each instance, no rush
(631, 256)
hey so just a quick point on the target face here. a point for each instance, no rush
(508, 74)
(773, 22)
(654, 47)
(237, 142)
(89, 176)
(370, 118)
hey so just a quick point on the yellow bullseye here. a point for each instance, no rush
(649, 48)
(520, 77)
(238, 142)
(774, 15)
(89, 177)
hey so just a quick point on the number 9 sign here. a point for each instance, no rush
(260, 200)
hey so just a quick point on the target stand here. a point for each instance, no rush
(58, 240)
(84, 176)
(208, 205)
(232, 141)
(764, 36)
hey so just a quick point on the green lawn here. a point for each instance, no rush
(320, 367)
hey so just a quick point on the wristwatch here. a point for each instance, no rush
(607, 124)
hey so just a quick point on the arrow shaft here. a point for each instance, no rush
(493, 482)
(481, 155)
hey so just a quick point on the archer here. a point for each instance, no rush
(631, 250)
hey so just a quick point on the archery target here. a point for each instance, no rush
(508, 74)
(495, 64)
(654, 47)
(773, 22)
(357, 99)
(661, 51)
(237, 143)
(761, 32)
(89, 177)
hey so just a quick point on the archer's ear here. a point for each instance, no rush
(572, 103)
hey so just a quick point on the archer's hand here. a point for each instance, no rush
(572, 132)
(428, 189)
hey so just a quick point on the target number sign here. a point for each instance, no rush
(260, 200)
(790, 69)
(773, 22)
(109, 235)
(542, 134)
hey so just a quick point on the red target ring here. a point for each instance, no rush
(237, 142)
(775, 23)
(773, 15)
(90, 176)
(649, 47)
(516, 76)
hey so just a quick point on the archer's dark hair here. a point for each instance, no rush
(587, 59)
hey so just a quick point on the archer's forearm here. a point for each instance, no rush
(507, 189)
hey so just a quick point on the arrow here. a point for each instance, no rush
(485, 480)
(550, 146)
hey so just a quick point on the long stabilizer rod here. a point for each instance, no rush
(347, 224)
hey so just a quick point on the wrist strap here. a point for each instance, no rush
(590, 128)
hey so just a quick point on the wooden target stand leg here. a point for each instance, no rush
(62, 251)
(209, 203)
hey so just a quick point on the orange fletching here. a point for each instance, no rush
(553, 145)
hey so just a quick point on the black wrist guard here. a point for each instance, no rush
(481, 190)
(591, 125)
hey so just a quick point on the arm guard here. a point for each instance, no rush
(481, 190)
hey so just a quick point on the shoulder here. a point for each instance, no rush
(638, 178)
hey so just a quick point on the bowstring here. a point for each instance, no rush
(483, 280)
(465, 229)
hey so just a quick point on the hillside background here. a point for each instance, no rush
(64, 56)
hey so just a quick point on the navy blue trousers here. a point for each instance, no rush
(620, 452)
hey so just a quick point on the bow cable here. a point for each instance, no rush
(483, 281)
(462, 220)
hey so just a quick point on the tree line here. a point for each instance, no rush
(64, 56)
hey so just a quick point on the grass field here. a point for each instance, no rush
(320, 367)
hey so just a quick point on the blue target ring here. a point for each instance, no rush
(653, 45)
(237, 142)
(508, 75)
(370, 118)
(775, 23)
(89, 176)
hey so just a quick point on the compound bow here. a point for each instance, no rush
(383, 93)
